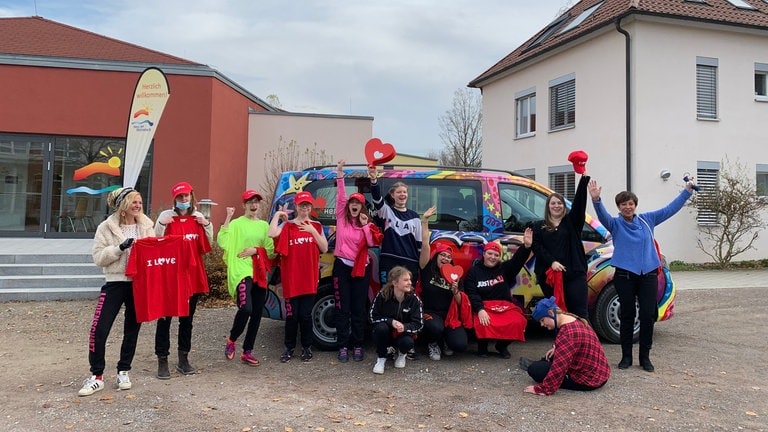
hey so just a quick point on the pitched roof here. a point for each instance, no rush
(609, 11)
(37, 36)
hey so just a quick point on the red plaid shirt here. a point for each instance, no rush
(579, 355)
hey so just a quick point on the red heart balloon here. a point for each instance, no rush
(451, 273)
(318, 204)
(377, 152)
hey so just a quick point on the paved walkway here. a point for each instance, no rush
(683, 279)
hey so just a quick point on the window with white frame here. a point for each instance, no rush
(761, 81)
(761, 180)
(562, 102)
(525, 113)
(562, 180)
(707, 174)
(706, 88)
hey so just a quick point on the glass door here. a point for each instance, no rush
(22, 172)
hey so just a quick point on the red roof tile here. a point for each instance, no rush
(37, 36)
(711, 11)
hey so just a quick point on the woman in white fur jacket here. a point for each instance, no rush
(111, 248)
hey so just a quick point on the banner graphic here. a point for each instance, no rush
(149, 99)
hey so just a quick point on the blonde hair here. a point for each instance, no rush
(387, 291)
(397, 185)
(120, 200)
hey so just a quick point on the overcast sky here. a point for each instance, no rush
(399, 61)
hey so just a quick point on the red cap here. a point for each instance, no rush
(249, 194)
(579, 160)
(492, 246)
(357, 196)
(439, 248)
(181, 188)
(303, 197)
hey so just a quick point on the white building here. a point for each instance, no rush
(645, 87)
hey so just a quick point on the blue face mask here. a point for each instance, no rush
(182, 205)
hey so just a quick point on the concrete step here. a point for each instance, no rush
(28, 258)
(49, 269)
(53, 276)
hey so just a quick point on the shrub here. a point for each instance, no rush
(217, 279)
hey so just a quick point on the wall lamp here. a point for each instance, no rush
(665, 174)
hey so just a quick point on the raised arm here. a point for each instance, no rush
(597, 203)
(341, 192)
(425, 248)
(579, 204)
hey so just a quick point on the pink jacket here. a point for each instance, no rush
(349, 237)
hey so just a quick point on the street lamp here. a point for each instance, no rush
(205, 207)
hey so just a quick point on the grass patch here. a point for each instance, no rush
(736, 265)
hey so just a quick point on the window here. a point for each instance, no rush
(550, 30)
(520, 206)
(706, 88)
(741, 4)
(458, 202)
(525, 113)
(761, 180)
(563, 180)
(527, 173)
(761, 81)
(707, 174)
(562, 102)
(582, 16)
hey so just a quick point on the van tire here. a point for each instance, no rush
(323, 318)
(605, 316)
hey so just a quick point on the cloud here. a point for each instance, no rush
(397, 60)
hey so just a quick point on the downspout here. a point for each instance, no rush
(627, 98)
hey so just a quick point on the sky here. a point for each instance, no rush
(398, 61)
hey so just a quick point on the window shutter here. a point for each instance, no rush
(707, 181)
(706, 91)
(562, 105)
(563, 183)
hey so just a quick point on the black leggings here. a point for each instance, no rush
(298, 314)
(250, 304)
(382, 339)
(575, 290)
(538, 371)
(435, 331)
(163, 331)
(113, 296)
(351, 295)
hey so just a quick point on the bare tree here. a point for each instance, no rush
(461, 131)
(737, 208)
(273, 100)
(288, 156)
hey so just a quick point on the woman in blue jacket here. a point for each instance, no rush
(636, 261)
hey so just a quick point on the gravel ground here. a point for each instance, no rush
(710, 376)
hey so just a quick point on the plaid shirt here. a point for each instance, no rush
(579, 355)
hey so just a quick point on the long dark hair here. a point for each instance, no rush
(549, 225)
(348, 214)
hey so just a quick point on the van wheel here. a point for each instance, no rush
(606, 319)
(323, 316)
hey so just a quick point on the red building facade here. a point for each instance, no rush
(65, 96)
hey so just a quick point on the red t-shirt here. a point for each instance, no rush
(188, 227)
(161, 268)
(299, 260)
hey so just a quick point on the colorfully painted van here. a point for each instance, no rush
(474, 206)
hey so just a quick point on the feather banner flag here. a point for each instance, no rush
(149, 99)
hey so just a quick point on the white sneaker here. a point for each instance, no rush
(91, 386)
(400, 361)
(378, 368)
(434, 351)
(123, 380)
(447, 351)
